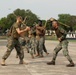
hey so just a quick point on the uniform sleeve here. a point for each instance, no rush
(16, 26)
(64, 33)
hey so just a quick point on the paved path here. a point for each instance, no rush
(38, 66)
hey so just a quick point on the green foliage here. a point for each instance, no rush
(6, 22)
(3, 23)
(31, 17)
(69, 20)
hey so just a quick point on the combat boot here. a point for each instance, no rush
(47, 53)
(3, 62)
(51, 63)
(22, 62)
(36, 55)
(71, 65)
(32, 56)
(41, 56)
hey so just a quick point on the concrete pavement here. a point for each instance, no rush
(38, 66)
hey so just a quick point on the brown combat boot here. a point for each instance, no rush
(51, 63)
(32, 56)
(41, 56)
(70, 65)
(47, 53)
(22, 62)
(3, 62)
(36, 55)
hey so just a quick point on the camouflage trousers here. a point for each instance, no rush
(14, 43)
(24, 43)
(44, 48)
(33, 45)
(64, 46)
(40, 40)
(28, 44)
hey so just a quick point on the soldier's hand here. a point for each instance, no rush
(28, 28)
(59, 39)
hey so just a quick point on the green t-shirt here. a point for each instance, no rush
(14, 33)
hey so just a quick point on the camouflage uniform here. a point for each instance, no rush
(63, 44)
(44, 48)
(33, 42)
(40, 40)
(13, 42)
(24, 40)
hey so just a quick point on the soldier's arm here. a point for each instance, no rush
(64, 33)
(20, 31)
(40, 28)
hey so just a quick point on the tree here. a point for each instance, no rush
(68, 20)
(3, 24)
(31, 17)
(6, 22)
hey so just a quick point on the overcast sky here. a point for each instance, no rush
(43, 8)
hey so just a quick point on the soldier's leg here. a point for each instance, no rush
(66, 53)
(10, 47)
(20, 52)
(44, 48)
(56, 50)
(41, 46)
(22, 43)
(32, 52)
(37, 48)
(31, 46)
(27, 46)
(55, 53)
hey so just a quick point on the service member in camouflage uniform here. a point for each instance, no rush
(33, 42)
(23, 39)
(63, 44)
(44, 48)
(13, 41)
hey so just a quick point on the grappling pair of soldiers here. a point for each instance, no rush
(13, 42)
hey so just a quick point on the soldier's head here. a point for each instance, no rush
(55, 24)
(40, 23)
(51, 19)
(19, 19)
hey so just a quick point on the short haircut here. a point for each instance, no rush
(55, 21)
(40, 21)
(18, 17)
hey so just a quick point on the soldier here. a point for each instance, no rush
(40, 32)
(63, 44)
(44, 48)
(23, 39)
(14, 42)
(33, 41)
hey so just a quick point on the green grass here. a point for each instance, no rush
(72, 40)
